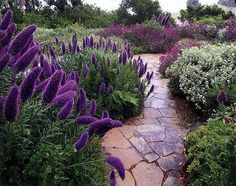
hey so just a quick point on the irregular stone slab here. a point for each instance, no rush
(129, 157)
(151, 157)
(128, 181)
(161, 90)
(147, 174)
(154, 137)
(114, 138)
(148, 122)
(178, 148)
(173, 122)
(150, 129)
(151, 113)
(128, 130)
(162, 96)
(171, 162)
(140, 144)
(159, 103)
(169, 113)
(162, 148)
(172, 181)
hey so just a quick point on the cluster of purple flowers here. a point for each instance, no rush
(23, 55)
(163, 19)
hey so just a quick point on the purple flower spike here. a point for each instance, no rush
(63, 48)
(82, 141)
(66, 110)
(110, 89)
(116, 162)
(10, 30)
(94, 59)
(222, 97)
(28, 84)
(52, 53)
(150, 77)
(62, 99)
(85, 71)
(114, 48)
(105, 49)
(47, 72)
(85, 119)
(141, 86)
(21, 39)
(102, 88)
(120, 58)
(41, 87)
(26, 59)
(70, 85)
(6, 21)
(151, 90)
(3, 61)
(84, 43)
(2, 35)
(116, 124)
(113, 178)
(105, 114)
(82, 101)
(11, 104)
(27, 45)
(97, 46)
(109, 43)
(93, 107)
(56, 40)
(124, 60)
(74, 76)
(52, 87)
(91, 42)
(106, 122)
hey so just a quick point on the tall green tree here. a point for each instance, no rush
(137, 11)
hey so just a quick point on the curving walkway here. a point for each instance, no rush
(151, 145)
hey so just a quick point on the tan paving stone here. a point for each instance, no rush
(147, 174)
(151, 157)
(128, 130)
(151, 113)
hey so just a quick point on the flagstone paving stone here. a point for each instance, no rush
(151, 144)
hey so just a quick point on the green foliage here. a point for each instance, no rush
(212, 20)
(6, 78)
(211, 152)
(199, 12)
(141, 11)
(38, 149)
(151, 24)
(126, 95)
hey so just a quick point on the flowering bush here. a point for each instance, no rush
(200, 69)
(42, 113)
(170, 57)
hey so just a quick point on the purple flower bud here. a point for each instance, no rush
(85, 71)
(24, 61)
(151, 90)
(3, 61)
(78, 49)
(66, 110)
(70, 85)
(109, 43)
(91, 42)
(87, 41)
(222, 97)
(102, 88)
(94, 59)
(47, 72)
(11, 104)
(74, 76)
(106, 122)
(56, 40)
(41, 87)
(52, 53)
(21, 39)
(63, 48)
(63, 79)
(85, 119)
(105, 114)
(84, 43)
(6, 21)
(110, 89)
(106, 49)
(116, 162)
(82, 141)
(28, 84)
(114, 48)
(2, 35)
(61, 99)
(27, 45)
(52, 87)
(124, 60)
(82, 101)
(141, 86)
(150, 77)
(113, 178)
(120, 58)
(10, 30)
(93, 107)
(97, 46)
(74, 39)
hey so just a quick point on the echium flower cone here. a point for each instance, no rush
(11, 104)
(116, 162)
(10, 30)
(70, 85)
(3, 61)
(82, 141)
(28, 85)
(82, 101)
(52, 87)
(6, 21)
(66, 110)
(93, 107)
(62, 99)
(85, 120)
(21, 39)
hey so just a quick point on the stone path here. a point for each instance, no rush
(151, 145)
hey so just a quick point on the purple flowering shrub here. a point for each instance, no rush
(170, 57)
(114, 79)
(43, 139)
